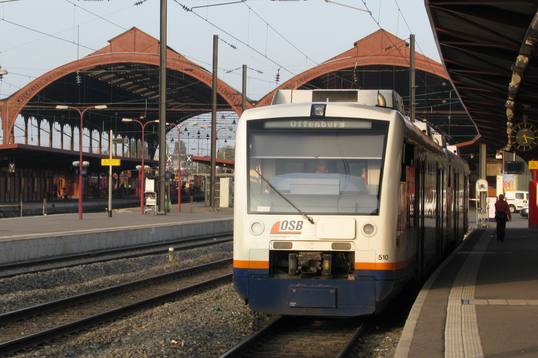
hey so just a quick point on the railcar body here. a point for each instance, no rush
(340, 202)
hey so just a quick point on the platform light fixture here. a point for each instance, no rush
(318, 110)
(80, 111)
(141, 172)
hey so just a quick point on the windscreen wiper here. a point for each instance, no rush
(303, 214)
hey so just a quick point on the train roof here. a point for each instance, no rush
(381, 98)
(376, 104)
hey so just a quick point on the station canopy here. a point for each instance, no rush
(381, 61)
(480, 43)
(124, 75)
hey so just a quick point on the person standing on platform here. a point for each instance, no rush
(502, 214)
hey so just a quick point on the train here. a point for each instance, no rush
(340, 202)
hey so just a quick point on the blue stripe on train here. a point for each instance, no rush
(363, 295)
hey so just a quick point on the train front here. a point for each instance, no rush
(307, 223)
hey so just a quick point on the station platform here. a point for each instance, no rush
(481, 302)
(8, 210)
(32, 238)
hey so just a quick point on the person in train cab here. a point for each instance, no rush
(321, 167)
(502, 214)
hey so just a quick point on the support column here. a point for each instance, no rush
(61, 136)
(122, 147)
(51, 127)
(90, 147)
(8, 118)
(100, 150)
(482, 159)
(38, 132)
(72, 143)
(25, 130)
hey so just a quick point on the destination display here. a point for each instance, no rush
(315, 124)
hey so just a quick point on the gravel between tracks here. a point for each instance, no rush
(202, 325)
(30, 289)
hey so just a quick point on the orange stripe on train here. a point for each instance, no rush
(375, 266)
(381, 266)
(245, 264)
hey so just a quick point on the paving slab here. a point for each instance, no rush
(508, 331)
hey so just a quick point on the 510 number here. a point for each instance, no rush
(384, 257)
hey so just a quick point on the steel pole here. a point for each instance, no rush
(162, 110)
(412, 78)
(212, 182)
(80, 181)
(110, 174)
(244, 89)
(179, 169)
(141, 175)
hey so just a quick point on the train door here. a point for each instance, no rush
(439, 211)
(465, 203)
(419, 216)
(456, 204)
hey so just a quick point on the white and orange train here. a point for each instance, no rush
(340, 200)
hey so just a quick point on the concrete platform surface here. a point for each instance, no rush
(31, 238)
(482, 302)
(62, 224)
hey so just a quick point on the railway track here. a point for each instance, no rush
(301, 337)
(25, 267)
(46, 321)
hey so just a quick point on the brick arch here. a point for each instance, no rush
(379, 48)
(133, 46)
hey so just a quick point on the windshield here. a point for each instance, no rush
(328, 170)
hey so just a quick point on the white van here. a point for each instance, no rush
(517, 200)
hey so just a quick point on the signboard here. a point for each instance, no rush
(533, 164)
(150, 185)
(491, 207)
(110, 162)
(514, 167)
(509, 182)
(120, 140)
(325, 124)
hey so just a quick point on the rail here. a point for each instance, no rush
(103, 304)
(161, 247)
(288, 336)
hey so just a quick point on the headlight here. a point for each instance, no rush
(368, 229)
(257, 228)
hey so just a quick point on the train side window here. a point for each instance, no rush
(408, 156)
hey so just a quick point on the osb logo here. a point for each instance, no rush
(293, 227)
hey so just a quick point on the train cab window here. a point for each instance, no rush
(320, 170)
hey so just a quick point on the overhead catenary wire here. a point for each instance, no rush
(97, 15)
(188, 9)
(280, 34)
(45, 33)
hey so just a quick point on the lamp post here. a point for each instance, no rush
(81, 111)
(141, 176)
(179, 186)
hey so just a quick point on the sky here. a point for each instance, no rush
(292, 35)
